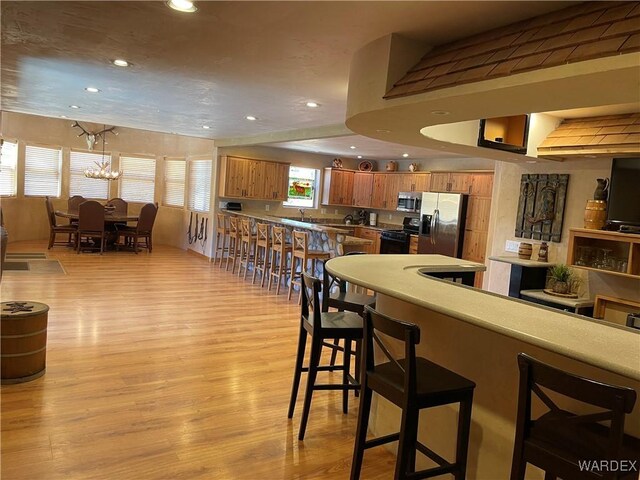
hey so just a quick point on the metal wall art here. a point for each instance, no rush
(541, 206)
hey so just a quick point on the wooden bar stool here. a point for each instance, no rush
(412, 383)
(235, 236)
(280, 255)
(300, 258)
(247, 247)
(559, 441)
(222, 234)
(262, 253)
(322, 326)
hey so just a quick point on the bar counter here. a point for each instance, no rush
(478, 335)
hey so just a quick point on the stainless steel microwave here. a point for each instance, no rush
(409, 202)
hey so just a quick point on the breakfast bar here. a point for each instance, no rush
(478, 335)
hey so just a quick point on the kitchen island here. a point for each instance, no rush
(478, 335)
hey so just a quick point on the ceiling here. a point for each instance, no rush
(220, 64)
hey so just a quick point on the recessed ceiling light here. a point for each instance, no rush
(359, 156)
(439, 112)
(206, 127)
(312, 105)
(382, 130)
(251, 117)
(352, 147)
(405, 155)
(92, 89)
(182, 5)
(74, 106)
(118, 62)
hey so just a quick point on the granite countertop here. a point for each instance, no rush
(610, 347)
(515, 260)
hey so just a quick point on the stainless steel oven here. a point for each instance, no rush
(409, 202)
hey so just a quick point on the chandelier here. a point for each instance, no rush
(103, 170)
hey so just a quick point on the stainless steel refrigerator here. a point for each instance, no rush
(442, 217)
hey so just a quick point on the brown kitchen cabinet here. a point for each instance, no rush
(338, 187)
(413, 244)
(414, 182)
(454, 182)
(378, 195)
(255, 179)
(370, 234)
(481, 184)
(362, 189)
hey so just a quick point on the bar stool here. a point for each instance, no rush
(247, 247)
(280, 254)
(412, 383)
(235, 236)
(300, 258)
(322, 326)
(262, 253)
(222, 233)
(561, 442)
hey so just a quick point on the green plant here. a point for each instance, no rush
(560, 273)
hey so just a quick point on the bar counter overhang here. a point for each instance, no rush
(478, 335)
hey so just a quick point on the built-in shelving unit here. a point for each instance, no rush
(612, 253)
(505, 133)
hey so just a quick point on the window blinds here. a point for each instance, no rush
(199, 185)
(174, 177)
(42, 171)
(8, 165)
(81, 185)
(138, 179)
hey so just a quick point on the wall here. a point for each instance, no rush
(25, 217)
(582, 183)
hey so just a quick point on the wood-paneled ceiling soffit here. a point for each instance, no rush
(606, 136)
(587, 31)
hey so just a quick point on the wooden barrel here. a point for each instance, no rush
(595, 214)
(525, 250)
(23, 338)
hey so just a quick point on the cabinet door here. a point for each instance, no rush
(362, 188)
(405, 182)
(335, 186)
(379, 190)
(276, 181)
(475, 245)
(440, 182)
(478, 211)
(413, 244)
(421, 182)
(459, 182)
(236, 176)
(391, 192)
(255, 183)
(346, 188)
(481, 184)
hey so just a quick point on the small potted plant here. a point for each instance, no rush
(562, 280)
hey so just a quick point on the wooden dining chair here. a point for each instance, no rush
(142, 230)
(121, 205)
(54, 229)
(91, 225)
(74, 202)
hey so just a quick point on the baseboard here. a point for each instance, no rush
(198, 254)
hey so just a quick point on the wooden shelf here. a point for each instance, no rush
(622, 246)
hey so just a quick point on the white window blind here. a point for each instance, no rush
(81, 185)
(138, 179)
(174, 176)
(8, 167)
(199, 185)
(42, 171)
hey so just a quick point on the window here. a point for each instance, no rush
(199, 185)
(8, 166)
(138, 180)
(42, 171)
(303, 184)
(174, 176)
(81, 185)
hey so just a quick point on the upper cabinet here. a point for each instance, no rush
(481, 184)
(338, 187)
(415, 182)
(254, 179)
(454, 182)
(362, 189)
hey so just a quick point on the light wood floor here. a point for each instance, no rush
(162, 366)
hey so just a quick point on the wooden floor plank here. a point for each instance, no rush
(163, 366)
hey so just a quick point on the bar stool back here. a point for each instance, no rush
(235, 235)
(262, 253)
(280, 254)
(301, 254)
(322, 326)
(559, 440)
(222, 234)
(412, 383)
(247, 247)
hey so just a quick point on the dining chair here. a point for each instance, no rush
(55, 229)
(121, 205)
(74, 202)
(143, 229)
(91, 225)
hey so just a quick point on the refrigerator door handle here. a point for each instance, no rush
(434, 226)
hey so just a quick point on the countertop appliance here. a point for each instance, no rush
(397, 241)
(409, 202)
(442, 217)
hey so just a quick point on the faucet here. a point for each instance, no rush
(301, 210)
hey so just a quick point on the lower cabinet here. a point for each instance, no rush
(413, 244)
(370, 234)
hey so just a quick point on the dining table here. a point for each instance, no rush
(111, 218)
